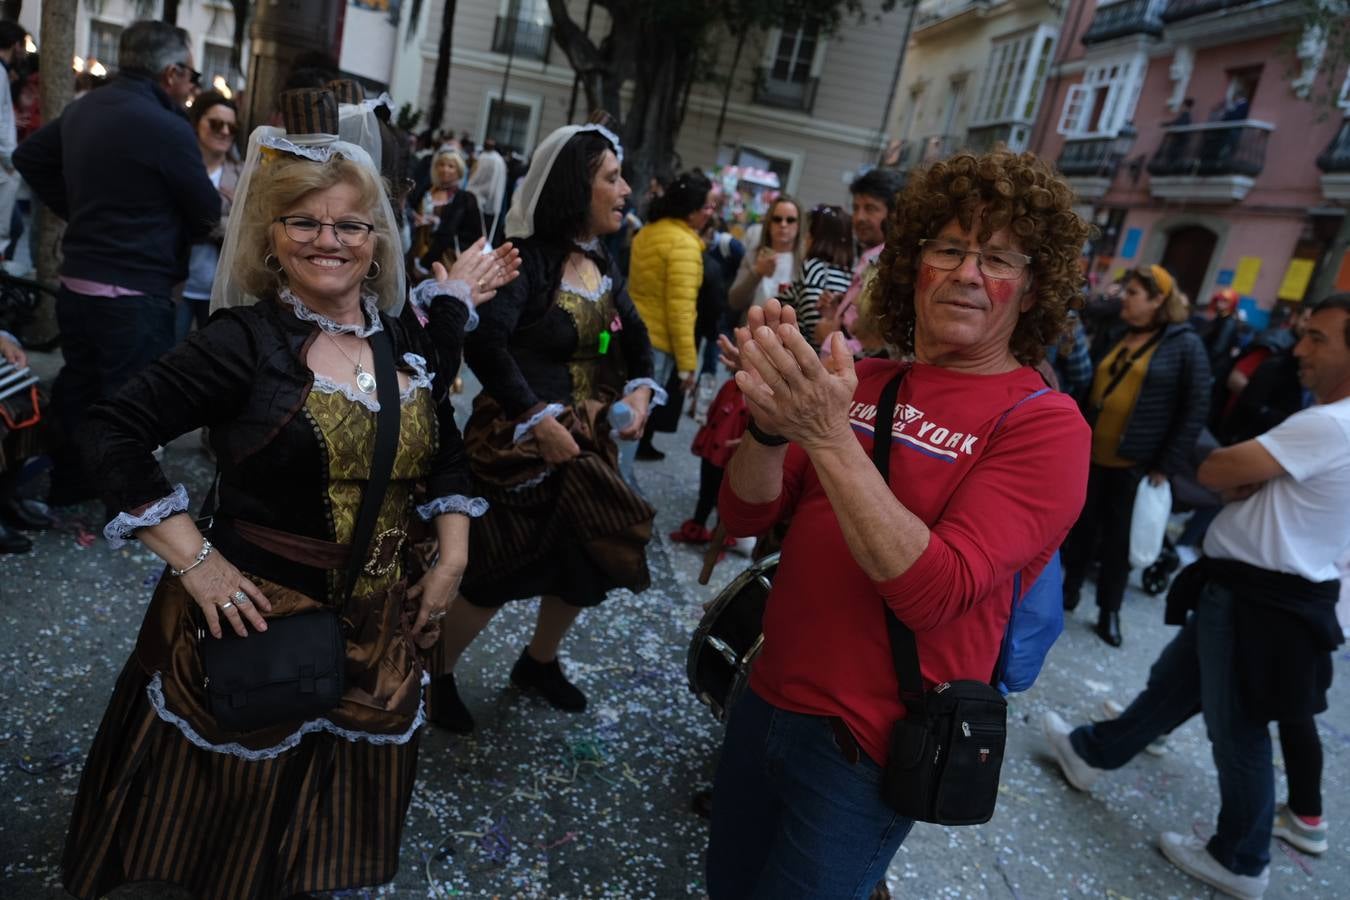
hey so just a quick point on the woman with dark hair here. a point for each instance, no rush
(665, 272)
(564, 359)
(1146, 406)
(827, 267)
(214, 119)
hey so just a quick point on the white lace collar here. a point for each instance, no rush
(601, 289)
(369, 304)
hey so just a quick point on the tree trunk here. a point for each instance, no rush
(651, 123)
(58, 87)
(440, 82)
(170, 12)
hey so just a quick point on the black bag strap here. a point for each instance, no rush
(382, 464)
(1124, 370)
(904, 650)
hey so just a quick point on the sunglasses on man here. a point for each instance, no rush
(193, 75)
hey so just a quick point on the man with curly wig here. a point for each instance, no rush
(987, 474)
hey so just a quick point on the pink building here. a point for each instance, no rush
(1190, 132)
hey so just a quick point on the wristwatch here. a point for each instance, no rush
(764, 437)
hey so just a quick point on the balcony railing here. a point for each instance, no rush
(1212, 148)
(784, 93)
(1091, 157)
(939, 11)
(1124, 18)
(528, 40)
(1336, 158)
(1187, 9)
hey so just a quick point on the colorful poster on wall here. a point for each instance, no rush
(1224, 278)
(1296, 279)
(1248, 267)
(1131, 247)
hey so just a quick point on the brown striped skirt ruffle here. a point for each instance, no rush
(576, 533)
(325, 815)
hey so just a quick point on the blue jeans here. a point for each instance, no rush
(1199, 669)
(791, 816)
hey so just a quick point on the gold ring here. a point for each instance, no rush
(481, 284)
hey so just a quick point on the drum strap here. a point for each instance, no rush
(904, 650)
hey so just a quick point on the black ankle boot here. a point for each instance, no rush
(1108, 627)
(548, 681)
(1071, 597)
(445, 708)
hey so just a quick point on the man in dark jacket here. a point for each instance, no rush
(122, 167)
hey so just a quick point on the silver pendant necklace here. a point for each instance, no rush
(365, 382)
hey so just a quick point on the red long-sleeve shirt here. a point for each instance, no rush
(996, 502)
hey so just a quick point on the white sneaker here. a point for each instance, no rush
(1297, 833)
(1189, 854)
(1112, 710)
(1076, 771)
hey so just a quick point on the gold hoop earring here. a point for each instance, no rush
(278, 270)
(375, 270)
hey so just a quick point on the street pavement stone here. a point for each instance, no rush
(542, 804)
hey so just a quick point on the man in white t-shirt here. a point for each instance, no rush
(1257, 647)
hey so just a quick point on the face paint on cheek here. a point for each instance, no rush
(928, 276)
(1001, 291)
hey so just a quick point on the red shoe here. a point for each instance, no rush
(691, 533)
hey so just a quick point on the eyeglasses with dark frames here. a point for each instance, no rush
(1003, 265)
(305, 230)
(193, 75)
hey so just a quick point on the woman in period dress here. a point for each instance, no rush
(445, 215)
(554, 351)
(281, 375)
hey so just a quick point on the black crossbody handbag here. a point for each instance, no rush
(946, 754)
(296, 669)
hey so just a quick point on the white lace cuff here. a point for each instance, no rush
(427, 291)
(552, 411)
(123, 527)
(473, 507)
(659, 395)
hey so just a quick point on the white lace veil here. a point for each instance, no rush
(520, 219)
(226, 290)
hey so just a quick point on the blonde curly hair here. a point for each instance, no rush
(996, 190)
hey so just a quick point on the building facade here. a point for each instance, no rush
(807, 106)
(1190, 131)
(973, 76)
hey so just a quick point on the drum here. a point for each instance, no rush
(729, 638)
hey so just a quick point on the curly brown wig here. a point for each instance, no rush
(1004, 190)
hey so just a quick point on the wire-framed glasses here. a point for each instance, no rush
(304, 230)
(1000, 264)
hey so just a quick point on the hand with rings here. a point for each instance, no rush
(485, 273)
(223, 593)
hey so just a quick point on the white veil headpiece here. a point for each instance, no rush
(226, 291)
(520, 219)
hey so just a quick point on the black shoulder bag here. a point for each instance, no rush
(945, 755)
(296, 669)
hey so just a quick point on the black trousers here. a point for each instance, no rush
(1102, 532)
(105, 341)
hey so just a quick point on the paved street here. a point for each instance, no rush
(538, 803)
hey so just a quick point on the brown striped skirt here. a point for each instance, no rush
(577, 533)
(325, 815)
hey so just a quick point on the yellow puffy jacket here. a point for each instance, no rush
(665, 272)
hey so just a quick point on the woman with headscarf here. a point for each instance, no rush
(176, 787)
(558, 351)
(1146, 406)
(446, 216)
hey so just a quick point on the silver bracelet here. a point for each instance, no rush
(202, 554)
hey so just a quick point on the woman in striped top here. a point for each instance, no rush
(827, 266)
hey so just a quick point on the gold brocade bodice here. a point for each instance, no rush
(348, 430)
(592, 318)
